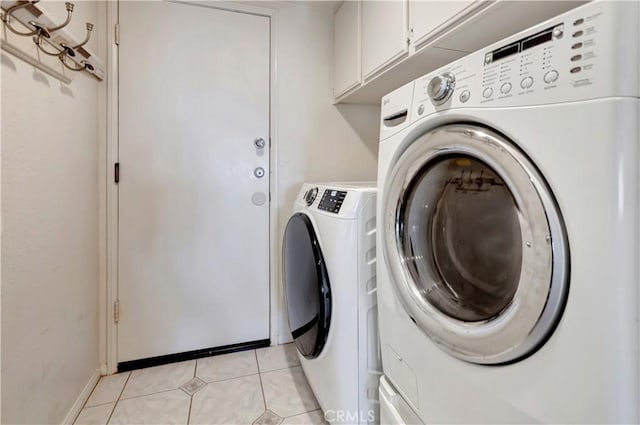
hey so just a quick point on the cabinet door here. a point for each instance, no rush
(427, 16)
(384, 35)
(346, 47)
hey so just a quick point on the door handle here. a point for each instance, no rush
(259, 143)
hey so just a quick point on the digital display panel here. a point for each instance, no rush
(332, 200)
(520, 46)
(537, 39)
(503, 52)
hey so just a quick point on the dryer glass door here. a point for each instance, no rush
(306, 284)
(475, 244)
(462, 213)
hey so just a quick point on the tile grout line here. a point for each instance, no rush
(264, 399)
(281, 368)
(303, 413)
(195, 375)
(119, 396)
(255, 353)
(84, 406)
(230, 379)
(189, 413)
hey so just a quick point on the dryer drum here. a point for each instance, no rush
(475, 244)
(306, 286)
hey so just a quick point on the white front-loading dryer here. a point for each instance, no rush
(329, 257)
(508, 225)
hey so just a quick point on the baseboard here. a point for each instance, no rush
(190, 355)
(82, 398)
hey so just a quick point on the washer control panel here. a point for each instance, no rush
(332, 200)
(589, 52)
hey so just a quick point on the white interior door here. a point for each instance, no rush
(193, 210)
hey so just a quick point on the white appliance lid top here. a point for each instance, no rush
(363, 185)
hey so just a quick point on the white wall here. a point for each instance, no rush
(316, 141)
(49, 234)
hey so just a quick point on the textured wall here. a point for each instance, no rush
(49, 234)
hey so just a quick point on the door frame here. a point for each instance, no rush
(108, 282)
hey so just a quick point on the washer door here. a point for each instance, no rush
(306, 286)
(475, 244)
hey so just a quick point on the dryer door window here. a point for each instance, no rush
(463, 215)
(306, 284)
(475, 244)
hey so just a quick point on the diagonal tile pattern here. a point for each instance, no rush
(160, 378)
(171, 408)
(236, 401)
(279, 357)
(287, 392)
(227, 366)
(259, 387)
(108, 389)
(268, 418)
(96, 415)
(310, 418)
(193, 386)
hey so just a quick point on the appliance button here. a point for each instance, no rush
(558, 31)
(575, 69)
(577, 45)
(420, 109)
(505, 88)
(487, 92)
(526, 82)
(578, 34)
(576, 58)
(578, 22)
(551, 76)
(464, 96)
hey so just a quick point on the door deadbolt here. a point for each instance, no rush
(259, 143)
(259, 172)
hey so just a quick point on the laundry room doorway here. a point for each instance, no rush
(193, 172)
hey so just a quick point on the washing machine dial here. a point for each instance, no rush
(310, 196)
(440, 87)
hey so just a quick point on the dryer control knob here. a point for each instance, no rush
(440, 87)
(310, 196)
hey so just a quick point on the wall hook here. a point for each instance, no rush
(85, 65)
(6, 18)
(71, 50)
(47, 31)
(38, 40)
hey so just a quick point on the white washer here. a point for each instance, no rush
(509, 225)
(329, 271)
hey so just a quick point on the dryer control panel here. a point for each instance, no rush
(332, 200)
(587, 53)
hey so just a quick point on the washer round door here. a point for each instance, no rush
(475, 244)
(306, 286)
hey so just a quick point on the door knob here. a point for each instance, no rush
(259, 172)
(259, 143)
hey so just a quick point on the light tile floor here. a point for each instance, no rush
(264, 387)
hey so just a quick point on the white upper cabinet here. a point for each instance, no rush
(401, 40)
(425, 17)
(346, 47)
(384, 35)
